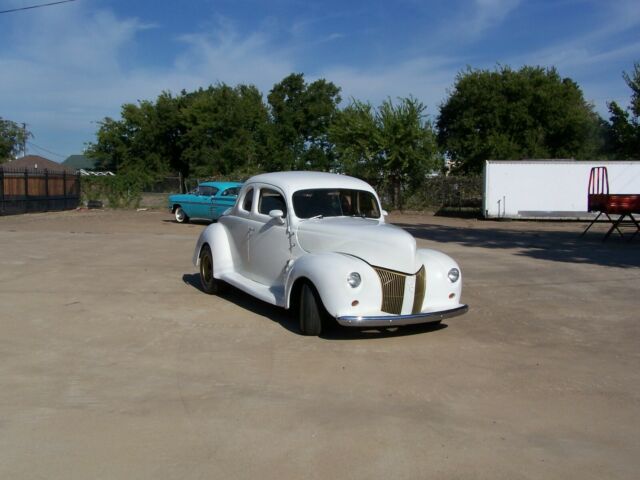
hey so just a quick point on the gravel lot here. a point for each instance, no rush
(113, 364)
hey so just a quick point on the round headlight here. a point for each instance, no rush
(454, 275)
(354, 279)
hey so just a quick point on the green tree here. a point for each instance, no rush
(392, 147)
(225, 130)
(301, 115)
(624, 129)
(509, 114)
(132, 144)
(12, 138)
(219, 130)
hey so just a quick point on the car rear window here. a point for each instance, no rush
(248, 200)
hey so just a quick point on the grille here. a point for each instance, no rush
(393, 290)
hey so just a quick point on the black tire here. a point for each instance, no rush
(209, 284)
(180, 215)
(311, 311)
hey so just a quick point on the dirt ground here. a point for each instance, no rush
(113, 364)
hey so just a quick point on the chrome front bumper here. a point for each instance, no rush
(395, 320)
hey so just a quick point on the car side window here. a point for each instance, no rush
(271, 200)
(207, 191)
(230, 192)
(248, 200)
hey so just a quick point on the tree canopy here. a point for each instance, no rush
(302, 114)
(12, 138)
(234, 131)
(624, 130)
(392, 147)
(516, 114)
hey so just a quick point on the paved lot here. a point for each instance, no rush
(114, 365)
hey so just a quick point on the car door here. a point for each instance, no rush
(198, 206)
(269, 243)
(240, 227)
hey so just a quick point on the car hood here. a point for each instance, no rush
(376, 243)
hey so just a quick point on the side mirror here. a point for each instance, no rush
(277, 214)
(385, 213)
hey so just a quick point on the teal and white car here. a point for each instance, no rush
(208, 201)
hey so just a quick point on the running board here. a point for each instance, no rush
(272, 295)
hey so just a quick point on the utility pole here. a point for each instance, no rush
(24, 139)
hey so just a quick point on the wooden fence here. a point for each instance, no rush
(31, 190)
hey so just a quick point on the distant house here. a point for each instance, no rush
(36, 162)
(86, 166)
(80, 162)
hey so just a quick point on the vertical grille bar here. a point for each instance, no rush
(392, 290)
(421, 287)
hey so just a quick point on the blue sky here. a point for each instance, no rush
(65, 67)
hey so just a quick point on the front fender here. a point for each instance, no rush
(440, 293)
(217, 237)
(328, 272)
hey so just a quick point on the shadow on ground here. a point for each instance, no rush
(196, 221)
(288, 322)
(558, 246)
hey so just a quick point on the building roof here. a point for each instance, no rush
(78, 162)
(36, 162)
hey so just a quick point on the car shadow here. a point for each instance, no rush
(287, 321)
(191, 222)
(557, 246)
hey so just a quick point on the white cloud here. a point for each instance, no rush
(427, 79)
(67, 70)
(486, 14)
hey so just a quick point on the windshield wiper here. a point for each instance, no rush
(319, 217)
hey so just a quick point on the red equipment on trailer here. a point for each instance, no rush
(621, 204)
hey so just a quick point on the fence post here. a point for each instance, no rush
(64, 188)
(1, 191)
(26, 190)
(46, 186)
(78, 188)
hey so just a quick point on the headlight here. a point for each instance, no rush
(454, 275)
(354, 279)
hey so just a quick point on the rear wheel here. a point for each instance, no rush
(310, 311)
(209, 283)
(181, 216)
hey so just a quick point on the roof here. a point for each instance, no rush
(290, 182)
(80, 162)
(33, 162)
(221, 185)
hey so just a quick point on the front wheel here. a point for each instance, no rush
(310, 311)
(181, 216)
(209, 283)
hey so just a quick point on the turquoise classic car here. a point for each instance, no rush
(208, 201)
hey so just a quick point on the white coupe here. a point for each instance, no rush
(317, 243)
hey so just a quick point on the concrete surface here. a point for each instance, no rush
(113, 364)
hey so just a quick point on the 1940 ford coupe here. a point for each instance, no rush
(318, 243)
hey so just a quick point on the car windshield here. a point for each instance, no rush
(335, 202)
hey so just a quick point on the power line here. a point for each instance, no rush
(36, 6)
(38, 147)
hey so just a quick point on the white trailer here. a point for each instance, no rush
(537, 189)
